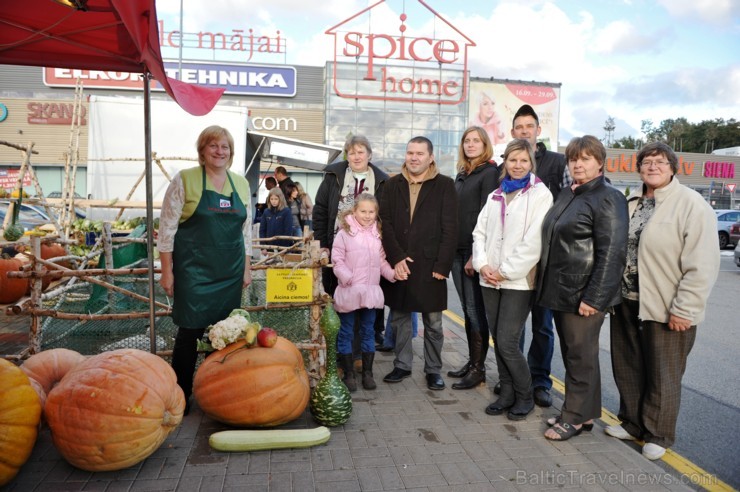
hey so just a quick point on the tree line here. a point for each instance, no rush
(680, 134)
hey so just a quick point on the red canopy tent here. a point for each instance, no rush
(114, 35)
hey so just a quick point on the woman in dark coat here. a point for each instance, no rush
(343, 182)
(477, 177)
(584, 247)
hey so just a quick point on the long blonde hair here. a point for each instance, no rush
(276, 191)
(463, 164)
(362, 197)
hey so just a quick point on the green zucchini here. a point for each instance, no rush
(257, 440)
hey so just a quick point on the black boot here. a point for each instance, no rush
(522, 407)
(473, 378)
(477, 373)
(460, 373)
(505, 401)
(367, 370)
(347, 362)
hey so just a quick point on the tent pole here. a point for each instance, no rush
(149, 208)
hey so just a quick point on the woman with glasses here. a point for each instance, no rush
(672, 263)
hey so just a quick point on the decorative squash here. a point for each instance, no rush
(255, 387)
(11, 289)
(14, 231)
(50, 366)
(331, 403)
(20, 411)
(114, 409)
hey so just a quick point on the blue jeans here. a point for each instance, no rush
(347, 331)
(540, 352)
(389, 339)
(471, 300)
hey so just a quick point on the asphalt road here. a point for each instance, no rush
(708, 430)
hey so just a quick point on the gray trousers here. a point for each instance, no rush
(649, 361)
(433, 339)
(506, 312)
(579, 344)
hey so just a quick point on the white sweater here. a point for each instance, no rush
(509, 237)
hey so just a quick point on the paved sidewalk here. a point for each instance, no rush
(400, 436)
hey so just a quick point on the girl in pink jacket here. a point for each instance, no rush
(359, 261)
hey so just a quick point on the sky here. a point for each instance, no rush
(629, 59)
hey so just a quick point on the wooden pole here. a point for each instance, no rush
(34, 342)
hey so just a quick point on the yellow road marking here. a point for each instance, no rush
(693, 472)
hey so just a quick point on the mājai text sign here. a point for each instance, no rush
(286, 285)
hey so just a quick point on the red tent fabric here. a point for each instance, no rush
(119, 35)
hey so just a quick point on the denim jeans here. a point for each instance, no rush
(347, 331)
(471, 300)
(541, 348)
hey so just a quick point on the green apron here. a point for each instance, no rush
(208, 260)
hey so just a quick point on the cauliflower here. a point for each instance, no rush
(227, 331)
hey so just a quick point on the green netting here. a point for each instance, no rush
(94, 336)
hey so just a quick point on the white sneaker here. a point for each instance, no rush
(653, 451)
(619, 432)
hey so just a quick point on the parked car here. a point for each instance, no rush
(29, 216)
(737, 254)
(80, 213)
(725, 219)
(735, 233)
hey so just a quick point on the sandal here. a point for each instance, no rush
(564, 431)
(559, 419)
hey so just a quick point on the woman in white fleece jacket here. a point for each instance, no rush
(672, 264)
(506, 249)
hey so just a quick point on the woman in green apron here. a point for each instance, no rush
(205, 245)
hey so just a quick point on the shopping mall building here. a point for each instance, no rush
(387, 86)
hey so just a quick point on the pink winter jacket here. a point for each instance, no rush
(359, 261)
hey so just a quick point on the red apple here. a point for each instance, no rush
(267, 337)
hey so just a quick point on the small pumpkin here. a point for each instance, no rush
(20, 412)
(331, 403)
(254, 387)
(11, 289)
(114, 409)
(54, 250)
(50, 366)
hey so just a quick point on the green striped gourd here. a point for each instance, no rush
(331, 403)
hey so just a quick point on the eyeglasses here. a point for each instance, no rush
(655, 163)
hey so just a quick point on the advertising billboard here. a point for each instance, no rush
(493, 103)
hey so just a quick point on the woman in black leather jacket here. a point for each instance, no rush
(584, 244)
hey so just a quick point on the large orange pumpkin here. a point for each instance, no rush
(114, 409)
(255, 387)
(20, 411)
(11, 289)
(49, 366)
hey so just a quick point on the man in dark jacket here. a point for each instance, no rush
(419, 217)
(283, 180)
(553, 171)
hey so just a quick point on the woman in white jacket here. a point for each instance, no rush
(506, 249)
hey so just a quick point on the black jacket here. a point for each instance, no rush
(429, 240)
(327, 200)
(584, 248)
(472, 190)
(550, 168)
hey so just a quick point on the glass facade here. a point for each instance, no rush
(389, 124)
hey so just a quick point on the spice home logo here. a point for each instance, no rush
(430, 67)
